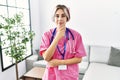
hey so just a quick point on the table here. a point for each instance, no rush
(35, 73)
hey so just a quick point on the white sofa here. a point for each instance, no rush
(98, 68)
(93, 67)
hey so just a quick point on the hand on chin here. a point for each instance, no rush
(61, 25)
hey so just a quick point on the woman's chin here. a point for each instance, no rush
(60, 25)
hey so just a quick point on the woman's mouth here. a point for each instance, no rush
(60, 23)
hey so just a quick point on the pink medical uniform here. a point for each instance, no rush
(74, 48)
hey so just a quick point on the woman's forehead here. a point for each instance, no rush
(60, 11)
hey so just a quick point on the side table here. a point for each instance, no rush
(35, 73)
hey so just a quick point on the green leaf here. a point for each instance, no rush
(1, 34)
(18, 17)
(1, 25)
(17, 35)
(25, 40)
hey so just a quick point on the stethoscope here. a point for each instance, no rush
(68, 38)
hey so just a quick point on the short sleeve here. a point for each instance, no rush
(45, 42)
(79, 48)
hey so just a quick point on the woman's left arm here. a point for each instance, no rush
(56, 62)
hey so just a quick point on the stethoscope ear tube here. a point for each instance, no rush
(52, 37)
(70, 33)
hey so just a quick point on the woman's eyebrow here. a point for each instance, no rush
(63, 14)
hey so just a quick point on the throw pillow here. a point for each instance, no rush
(39, 56)
(114, 58)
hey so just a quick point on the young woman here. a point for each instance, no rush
(62, 48)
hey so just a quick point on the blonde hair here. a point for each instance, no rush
(65, 9)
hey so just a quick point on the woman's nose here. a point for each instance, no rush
(59, 18)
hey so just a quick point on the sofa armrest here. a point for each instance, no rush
(30, 60)
(34, 57)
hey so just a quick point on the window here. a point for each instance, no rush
(9, 8)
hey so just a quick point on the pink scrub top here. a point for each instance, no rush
(74, 48)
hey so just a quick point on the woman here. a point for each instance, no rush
(62, 48)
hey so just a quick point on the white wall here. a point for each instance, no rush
(35, 22)
(97, 20)
(10, 74)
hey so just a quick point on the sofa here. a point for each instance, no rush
(104, 63)
(99, 64)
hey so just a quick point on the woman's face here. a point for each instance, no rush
(60, 18)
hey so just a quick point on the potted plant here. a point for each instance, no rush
(17, 35)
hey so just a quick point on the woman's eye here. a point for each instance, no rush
(63, 15)
(57, 16)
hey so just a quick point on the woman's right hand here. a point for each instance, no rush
(60, 32)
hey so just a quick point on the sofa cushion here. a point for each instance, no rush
(83, 67)
(40, 63)
(114, 58)
(100, 71)
(30, 60)
(99, 54)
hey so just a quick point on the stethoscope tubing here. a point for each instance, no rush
(68, 37)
